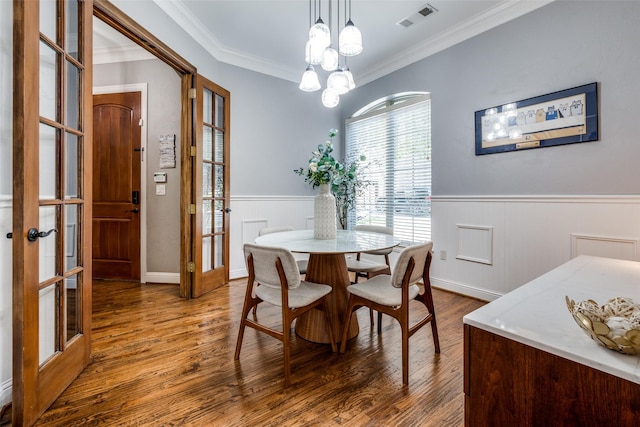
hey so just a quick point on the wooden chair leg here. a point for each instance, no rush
(286, 347)
(239, 341)
(379, 322)
(428, 302)
(405, 354)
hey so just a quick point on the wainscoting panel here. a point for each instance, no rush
(531, 236)
(251, 213)
(475, 243)
(607, 247)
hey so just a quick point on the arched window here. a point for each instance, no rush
(394, 133)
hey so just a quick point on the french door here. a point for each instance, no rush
(211, 187)
(52, 201)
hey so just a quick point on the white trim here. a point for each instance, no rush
(622, 198)
(466, 290)
(503, 12)
(116, 54)
(160, 277)
(138, 87)
(577, 238)
(5, 392)
(190, 23)
(250, 198)
(486, 247)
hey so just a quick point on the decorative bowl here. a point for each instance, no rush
(615, 325)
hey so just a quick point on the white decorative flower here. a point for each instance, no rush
(313, 167)
(618, 325)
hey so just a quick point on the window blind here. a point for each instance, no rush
(396, 140)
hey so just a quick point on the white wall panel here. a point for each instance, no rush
(532, 235)
(251, 213)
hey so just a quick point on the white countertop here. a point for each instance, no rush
(346, 241)
(536, 313)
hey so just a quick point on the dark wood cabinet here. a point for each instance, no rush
(507, 383)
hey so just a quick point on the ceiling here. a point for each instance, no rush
(269, 36)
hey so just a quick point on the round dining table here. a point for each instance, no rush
(327, 265)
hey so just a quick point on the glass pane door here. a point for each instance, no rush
(211, 187)
(51, 284)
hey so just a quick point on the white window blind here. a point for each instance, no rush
(396, 140)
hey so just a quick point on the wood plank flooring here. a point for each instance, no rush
(159, 360)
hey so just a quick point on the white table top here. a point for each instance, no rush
(346, 241)
(536, 313)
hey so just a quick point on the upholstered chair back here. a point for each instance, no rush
(419, 253)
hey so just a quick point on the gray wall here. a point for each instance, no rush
(559, 46)
(163, 117)
(274, 125)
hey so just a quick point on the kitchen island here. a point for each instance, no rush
(527, 362)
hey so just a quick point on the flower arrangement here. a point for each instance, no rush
(322, 166)
(345, 179)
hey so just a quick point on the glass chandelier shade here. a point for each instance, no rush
(319, 33)
(330, 98)
(339, 82)
(313, 52)
(309, 82)
(329, 59)
(350, 40)
(347, 72)
(319, 50)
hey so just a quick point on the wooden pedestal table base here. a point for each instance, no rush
(328, 269)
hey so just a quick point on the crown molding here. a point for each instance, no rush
(191, 24)
(465, 30)
(120, 54)
(504, 12)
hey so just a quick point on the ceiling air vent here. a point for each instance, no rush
(426, 11)
(418, 16)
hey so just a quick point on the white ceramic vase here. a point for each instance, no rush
(324, 214)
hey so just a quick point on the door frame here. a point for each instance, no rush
(142, 88)
(114, 17)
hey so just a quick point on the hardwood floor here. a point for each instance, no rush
(160, 360)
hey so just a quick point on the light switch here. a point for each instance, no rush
(161, 189)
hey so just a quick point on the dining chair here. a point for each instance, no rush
(302, 263)
(368, 269)
(274, 278)
(391, 293)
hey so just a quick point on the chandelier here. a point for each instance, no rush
(319, 50)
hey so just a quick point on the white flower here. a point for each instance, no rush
(313, 167)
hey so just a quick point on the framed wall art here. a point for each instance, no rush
(565, 117)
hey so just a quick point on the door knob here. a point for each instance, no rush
(227, 210)
(33, 234)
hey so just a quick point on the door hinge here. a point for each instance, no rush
(141, 122)
(192, 93)
(193, 151)
(191, 267)
(192, 209)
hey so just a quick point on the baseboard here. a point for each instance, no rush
(160, 277)
(467, 290)
(236, 274)
(5, 392)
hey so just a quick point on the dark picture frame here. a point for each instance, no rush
(564, 117)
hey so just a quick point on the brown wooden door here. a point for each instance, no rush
(211, 187)
(52, 201)
(116, 186)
